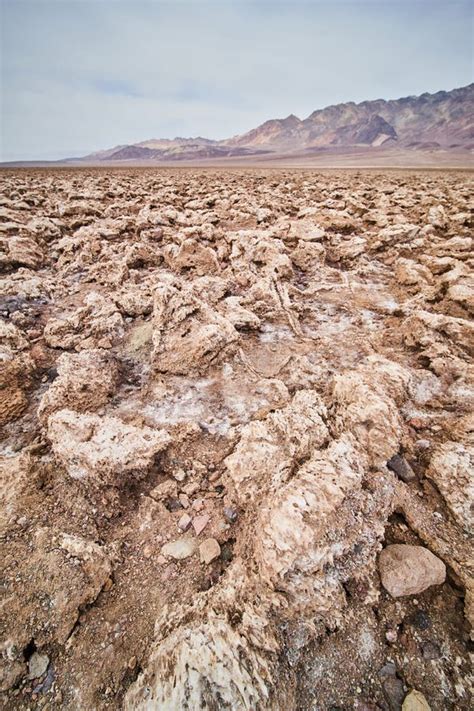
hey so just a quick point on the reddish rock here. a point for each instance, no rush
(409, 570)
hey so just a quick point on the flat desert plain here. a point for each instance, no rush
(237, 439)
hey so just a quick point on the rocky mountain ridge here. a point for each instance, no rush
(431, 121)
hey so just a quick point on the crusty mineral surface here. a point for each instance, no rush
(229, 397)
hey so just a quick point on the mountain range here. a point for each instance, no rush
(442, 121)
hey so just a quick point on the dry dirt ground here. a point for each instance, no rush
(223, 394)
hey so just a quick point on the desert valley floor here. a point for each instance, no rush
(237, 439)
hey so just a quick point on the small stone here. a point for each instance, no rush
(213, 476)
(409, 570)
(230, 514)
(191, 488)
(393, 691)
(180, 549)
(37, 665)
(415, 701)
(184, 501)
(422, 444)
(402, 469)
(209, 550)
(388, 669)
(108, 585)
(164, 490)
(132, 662)
(161, 560)
(184, 522)
(419, 619)
(391, 636)
(200, 523)
(179, 475)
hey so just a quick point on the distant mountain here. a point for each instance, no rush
(166, 149)
(444, 121)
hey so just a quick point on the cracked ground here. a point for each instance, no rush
(224, 394)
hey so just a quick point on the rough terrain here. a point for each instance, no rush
(237, 439)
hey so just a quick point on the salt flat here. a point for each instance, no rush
(224, 393)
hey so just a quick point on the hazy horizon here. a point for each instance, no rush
(79, 76)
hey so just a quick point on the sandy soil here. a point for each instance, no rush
(224, 393)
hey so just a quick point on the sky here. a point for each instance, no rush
(82, 75)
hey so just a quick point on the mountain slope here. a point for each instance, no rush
(442, 120)
(445, 118)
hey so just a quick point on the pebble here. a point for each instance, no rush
(415, 701)
(419, 619)
(393, 691)
(108, 585)
(209, 550)
(230, 514)
(180, 549)
(402, 469)
(179, 475)
(409, 570)
(191, 488)
(200, 523)
(388, 669)
(37, 665)
(167, 488)
(184, 522)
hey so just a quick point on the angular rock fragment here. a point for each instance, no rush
(209, 550)
(200, 523)
(37, 665)
(409, 570)
(415, 701)
(400, 466)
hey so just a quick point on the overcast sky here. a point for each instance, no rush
(80, 75)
